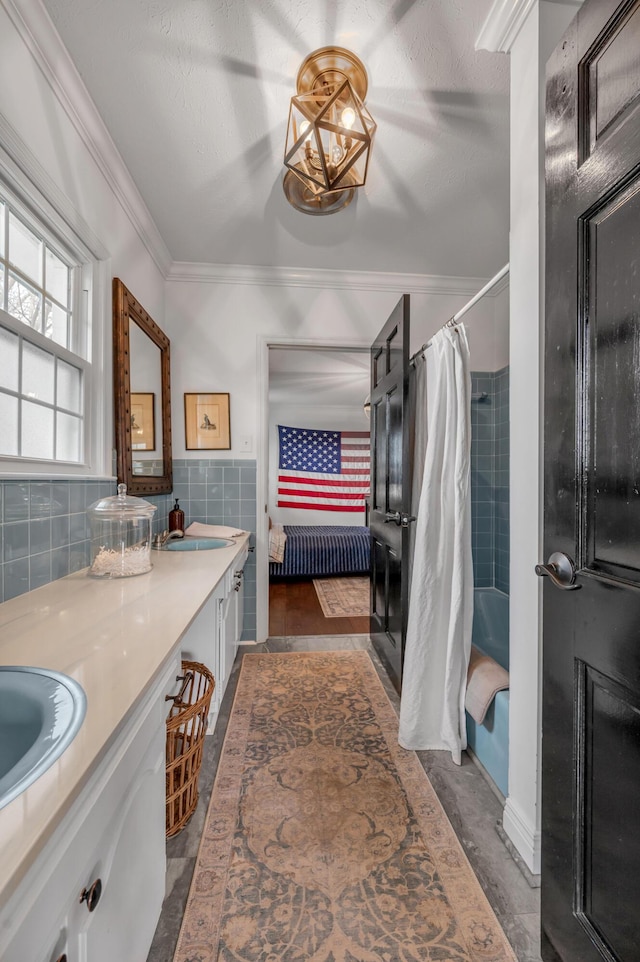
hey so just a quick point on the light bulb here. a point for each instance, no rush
(348, 117)
(304, 126)
(336, 153)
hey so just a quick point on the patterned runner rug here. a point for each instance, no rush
(324, 840)
(343, 597)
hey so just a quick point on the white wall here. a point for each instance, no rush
(219, 332)
(39, 135)
(215, 330)
(530, 49)
(487, 325)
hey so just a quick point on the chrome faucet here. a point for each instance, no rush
(160, 540)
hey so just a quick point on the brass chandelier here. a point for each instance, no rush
(329, 134)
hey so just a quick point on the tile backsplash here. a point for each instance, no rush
(222, 492)
(43, 531)
(490, 479)
(44, 534)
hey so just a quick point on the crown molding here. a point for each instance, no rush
(319, 278)
(43, 41)
(503, 24)
(23, 170)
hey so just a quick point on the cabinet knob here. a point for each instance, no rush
(92, 895)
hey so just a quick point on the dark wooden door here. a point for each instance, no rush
(591, 703)
(390, 489)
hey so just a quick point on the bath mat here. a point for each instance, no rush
(324, 840)
(343, 597)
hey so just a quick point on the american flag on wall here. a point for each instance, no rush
(323, 470)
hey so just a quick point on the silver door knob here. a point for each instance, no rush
(561, 569)
(400, 518)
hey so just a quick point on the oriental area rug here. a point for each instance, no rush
(343, 597)
(324, 840)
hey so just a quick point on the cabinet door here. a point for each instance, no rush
(202, 643)
(115, 833)
(131, 868)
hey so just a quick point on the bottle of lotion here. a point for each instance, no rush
(176, 518)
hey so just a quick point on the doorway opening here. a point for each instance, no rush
(317, 434)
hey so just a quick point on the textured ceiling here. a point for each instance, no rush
(195, 94)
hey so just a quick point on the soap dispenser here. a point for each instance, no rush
(176, 518)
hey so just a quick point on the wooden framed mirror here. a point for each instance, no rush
(142, 397)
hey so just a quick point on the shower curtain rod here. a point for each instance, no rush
(467, 307)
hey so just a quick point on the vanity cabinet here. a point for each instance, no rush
(96, 892)
(213, 636)
(82, 850)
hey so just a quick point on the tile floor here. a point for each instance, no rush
(471, 804)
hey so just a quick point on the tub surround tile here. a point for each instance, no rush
(490, 479)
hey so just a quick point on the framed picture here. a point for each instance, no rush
(206, 422)
(143, 425)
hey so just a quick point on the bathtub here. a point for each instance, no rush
(489, 742)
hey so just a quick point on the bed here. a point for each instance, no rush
(312, 550)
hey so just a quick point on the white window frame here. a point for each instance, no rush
(58, 223)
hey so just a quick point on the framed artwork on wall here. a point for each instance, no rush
(143, 425)
(207, 425)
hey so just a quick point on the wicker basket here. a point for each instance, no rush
(186, 728)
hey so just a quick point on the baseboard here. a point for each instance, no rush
(524, 836)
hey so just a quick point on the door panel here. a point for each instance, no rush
(390, 489)
(609, 850)
(591, 694)
(612, 464)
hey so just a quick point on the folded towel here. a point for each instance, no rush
(198, 530)
(277, 541)
(485, 678)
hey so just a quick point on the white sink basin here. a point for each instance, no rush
(40, 714)
(197, 544)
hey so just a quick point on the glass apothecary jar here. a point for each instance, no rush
(120, 536)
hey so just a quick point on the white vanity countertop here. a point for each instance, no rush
(112, 636)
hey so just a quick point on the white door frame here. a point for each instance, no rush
(264, 343)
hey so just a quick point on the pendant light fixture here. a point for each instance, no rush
(329, 134)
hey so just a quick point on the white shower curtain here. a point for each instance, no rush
(438, 639)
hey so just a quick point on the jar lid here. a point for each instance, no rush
(122, 505)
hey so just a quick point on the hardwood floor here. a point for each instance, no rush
(294, 609)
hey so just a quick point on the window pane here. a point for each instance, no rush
(56, 324)
(56, 278)
(2, 210)
(25, 249)
(69, 387)
(9, 363)
(37, 431)
(8, 425)
(24, 303)
(69, 437)
(37, 373)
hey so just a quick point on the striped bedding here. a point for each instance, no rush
(314, 549)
